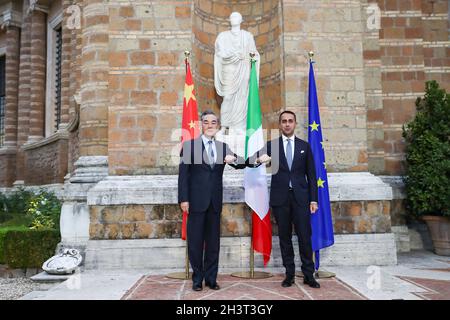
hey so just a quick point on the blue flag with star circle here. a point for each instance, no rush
(321, 221)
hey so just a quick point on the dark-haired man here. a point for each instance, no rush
(200, 192)
(293, 196)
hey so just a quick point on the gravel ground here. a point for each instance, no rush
(15, 288)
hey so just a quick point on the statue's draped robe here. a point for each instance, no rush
(232, 74)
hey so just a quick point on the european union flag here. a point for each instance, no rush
(321, 221)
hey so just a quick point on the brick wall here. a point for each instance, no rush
(127, 62)
(163, 221)
(413, 47)
(75, 47)
(333, 30)
(9, 149)
(262, 19)
(24, 92)
(146, 82)
(26, 64)
(373, 91)
(38, 57)
(11, 82)
(93, 125)
(46, 164)
(7, 168)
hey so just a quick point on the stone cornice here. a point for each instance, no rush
(59, 135)
(8, 150)
(35, 6)
(163, 189)
(10, 18)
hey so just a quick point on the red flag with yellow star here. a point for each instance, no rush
(189, 124)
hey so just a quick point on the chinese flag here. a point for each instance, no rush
(189, 124)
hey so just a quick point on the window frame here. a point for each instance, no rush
(3, 100)
(54, 23)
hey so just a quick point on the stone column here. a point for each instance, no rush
(9, 149)
(66, 65)
(38, 74)
(23, 96)
(12, 78)
(92, 164)
(94, 80)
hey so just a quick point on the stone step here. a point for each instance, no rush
(151, 254)
(45, 277)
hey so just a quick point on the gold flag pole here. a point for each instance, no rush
(320, 274)
(252, 274)
(186, 275)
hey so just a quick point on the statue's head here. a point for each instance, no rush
(235, 19)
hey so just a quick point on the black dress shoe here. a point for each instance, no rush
(312, 283)
(287, 282)
(197, 287)
(214, 286)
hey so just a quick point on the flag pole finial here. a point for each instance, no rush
(311, 56)
(187, 53)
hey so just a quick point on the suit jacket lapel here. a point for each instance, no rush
(220, 152)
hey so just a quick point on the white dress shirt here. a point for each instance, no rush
(213, 144)
(285, 142)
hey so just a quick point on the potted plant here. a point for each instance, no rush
(427, 178)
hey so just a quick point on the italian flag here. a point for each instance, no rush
(255, 180)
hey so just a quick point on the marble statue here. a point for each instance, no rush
(232, 72)
(231, 81)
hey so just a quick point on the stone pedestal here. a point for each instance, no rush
(74, 220)
(348, 250)
(136, 219)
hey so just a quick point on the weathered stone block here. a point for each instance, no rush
(134, 213)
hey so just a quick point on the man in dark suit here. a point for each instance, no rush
(200, 193)
(293, 196)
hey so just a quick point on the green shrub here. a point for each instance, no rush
(39, 210)
(44, 208)
(3, 233)
(5, 215)
(29, 248)
(427, 178)
(29, 228)
(17, 202)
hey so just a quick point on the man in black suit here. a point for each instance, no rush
(293, 196)
(200, 193)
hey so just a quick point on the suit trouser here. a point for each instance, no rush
(203, 233)
(286, 215)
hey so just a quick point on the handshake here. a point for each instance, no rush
(263, 159)
(229, 159)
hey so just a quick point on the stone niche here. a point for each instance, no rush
(263, 20)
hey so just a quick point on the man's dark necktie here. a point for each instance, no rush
(211, 154)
